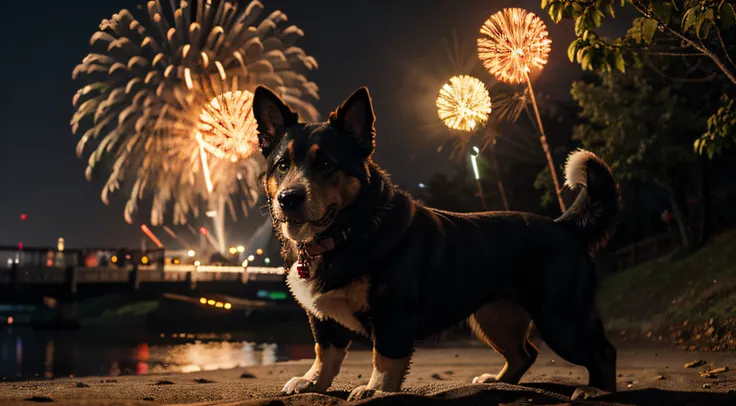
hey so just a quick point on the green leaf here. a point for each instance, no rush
(688, 20)
(727, 15)
(571, 50)
(620, 62)
(663, 10)
(648, 29)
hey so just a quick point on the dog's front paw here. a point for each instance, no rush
(363, 392)
(485, 378)
(586, 392)
(299, 384)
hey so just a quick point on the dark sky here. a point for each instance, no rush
(393, 47)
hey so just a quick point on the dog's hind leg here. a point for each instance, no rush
(575, 332)
(504, 326)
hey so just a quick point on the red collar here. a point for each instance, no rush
(314, 248)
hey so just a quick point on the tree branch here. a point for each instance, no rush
(640, 8)
(723, 46)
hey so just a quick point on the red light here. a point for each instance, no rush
(23, 217)
(20, 245)
(203, 231)
(10, 320)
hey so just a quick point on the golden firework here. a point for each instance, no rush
(227, 128)
(464, 103)
(513, 43)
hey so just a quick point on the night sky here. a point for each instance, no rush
(393, 47)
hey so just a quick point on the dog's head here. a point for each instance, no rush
(314, 171)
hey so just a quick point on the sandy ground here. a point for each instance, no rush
(647, 375)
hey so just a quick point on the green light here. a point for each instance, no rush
(277, 295)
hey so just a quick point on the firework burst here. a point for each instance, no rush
(513, 43)
(464, 103)
(166, 101)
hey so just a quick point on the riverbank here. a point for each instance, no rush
(648, 374)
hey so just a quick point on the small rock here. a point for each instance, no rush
(109, 381)
(202, 380)
(659, 378)
(457, 355)
(81, 385)
(163, 382)
(449, 372)
(41, 399)
(149, 399)
(248, 375)
(694, 364)
(629, 385)
(437, 377)
(360, 376)
(706, 386)
(620, 375)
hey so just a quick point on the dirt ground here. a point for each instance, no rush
(647, 375)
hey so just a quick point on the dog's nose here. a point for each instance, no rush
(292, 199)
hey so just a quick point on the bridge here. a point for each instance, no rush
(35, 275)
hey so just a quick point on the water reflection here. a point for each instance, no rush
(29, 354)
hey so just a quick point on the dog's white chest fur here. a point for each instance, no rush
(339, 304)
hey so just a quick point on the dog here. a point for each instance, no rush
(364, 257)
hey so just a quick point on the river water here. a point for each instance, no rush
(26, 353)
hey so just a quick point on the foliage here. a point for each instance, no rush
(721, 130)
(691, 28)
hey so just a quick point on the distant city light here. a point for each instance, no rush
(251, 257)
(219, 304)
(267, 261)
(176, 261)
(228, 306)
(144, 260)
(203, 230)
(10, 320)
(203, 300)
(422, 186)
(232, 250)
(240, 248)
(23, 217)
(196, 263)
(245, 263)
(60, 244)
(114, 259)
(10, 261)
(211, 302)
(259, 251)
(211, 213)
(191, 253)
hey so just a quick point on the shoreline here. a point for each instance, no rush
(647, 374)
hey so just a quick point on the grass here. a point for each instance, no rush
(671, 290)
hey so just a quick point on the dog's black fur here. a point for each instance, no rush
(424, 269)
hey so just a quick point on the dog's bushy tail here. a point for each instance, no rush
(595, 209)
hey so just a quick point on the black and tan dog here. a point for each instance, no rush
(365, 257)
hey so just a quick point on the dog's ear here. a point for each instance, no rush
(273, 117)
(356, 117)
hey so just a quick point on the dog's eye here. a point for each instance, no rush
(282, 166)
(325, 165)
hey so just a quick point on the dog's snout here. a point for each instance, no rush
(292, 199)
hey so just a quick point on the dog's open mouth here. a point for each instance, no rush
(327, 218)
(323, 221)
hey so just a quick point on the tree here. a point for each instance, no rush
(676, 28)
(644, 125)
